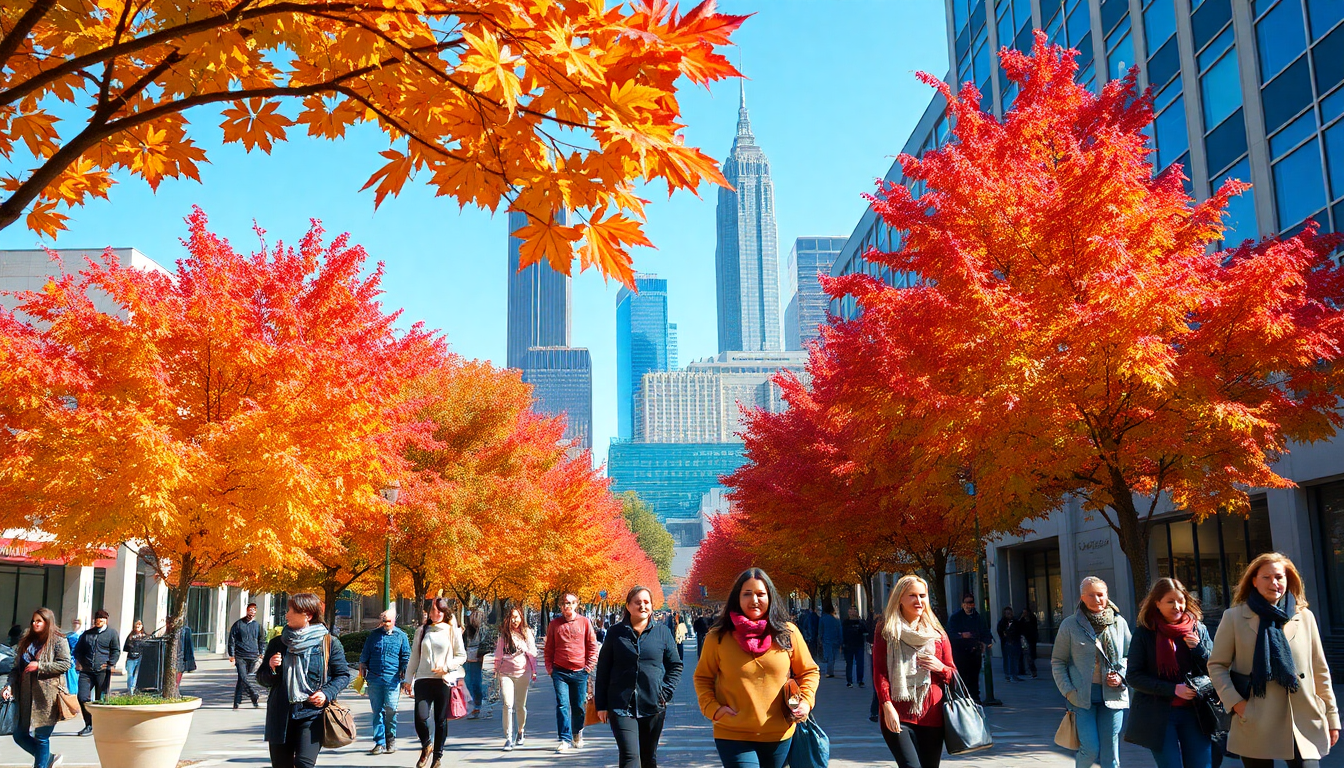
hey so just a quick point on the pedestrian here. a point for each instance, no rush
(701, 628)
(600, 629)
(134, 647)
(912, 661)
(832, 637)
(305, 669)
(515, 670)
(970, 636)
(472, 669)
(1029, 626)
(1089, 659)
(680, 634)
(1268, 665)
(1170, 645)
(41, 659)
(71, 638)
(637, 673)
(186, 650)
(750, 653)
(437, 656)
(15, 632)
(244, 651)
(854, 633)
(383, 663)
(809, 623)
(570, 655)
(96, 655)
(874, 626)
(1010, 641)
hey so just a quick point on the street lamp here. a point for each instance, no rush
(389, 494)
(980, 568)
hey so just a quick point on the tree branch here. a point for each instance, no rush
(15, 37)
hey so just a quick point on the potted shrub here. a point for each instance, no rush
(141, 730)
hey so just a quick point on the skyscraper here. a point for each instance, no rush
(539, 302)
(707, 402)
(641, 342)
(747, 256)
(806, 312)
(673, 351)
(562, 383)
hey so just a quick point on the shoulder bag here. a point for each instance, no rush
(67, 703)
(964, 727)
(9, 716)
(810, 747)
(1066, 735)
(338, 723)
(1212, 718)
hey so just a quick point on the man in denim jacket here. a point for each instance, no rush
(383, 663)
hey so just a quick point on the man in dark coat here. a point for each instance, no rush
(969, 635)
(96, 653)
(1029, 626)
(244, 651)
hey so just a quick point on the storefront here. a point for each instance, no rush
(1327, 504)
(1209, 557)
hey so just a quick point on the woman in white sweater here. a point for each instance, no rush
(437, 656)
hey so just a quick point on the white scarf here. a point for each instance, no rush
(909, 681)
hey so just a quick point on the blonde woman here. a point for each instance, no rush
(1089, 662)
(912, 660)
(515, 669)
(1269, 668)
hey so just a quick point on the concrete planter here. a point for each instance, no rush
(142, 736)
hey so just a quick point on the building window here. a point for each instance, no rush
(1287, 96)
(1328, 503)
(1209, 557)
(1045, 590)
(1225, 144)
(200, 617)
(1164, 65)
(1209, 19)
(1170, 133)
(1159, 22)
(1221, 90)
(25, 588)
(1334, 157)
(1324, 14)
(1239, 221)
(1281, 38)
(1328, 56)
(1299, 189)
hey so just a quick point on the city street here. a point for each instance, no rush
(1023, 732)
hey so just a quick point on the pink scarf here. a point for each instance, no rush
(753, 636)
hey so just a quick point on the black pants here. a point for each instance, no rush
(916, 746)
(303, 740)
(969, 665)
(246, 668)
(431, 701)
(93, 686)
(1296, 762)
(637, 739)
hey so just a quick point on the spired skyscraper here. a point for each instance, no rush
(539, 302)
(747, 256)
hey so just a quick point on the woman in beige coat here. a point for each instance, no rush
(1269, 668)
(37, 680)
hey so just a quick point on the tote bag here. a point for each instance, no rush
(964, 727)
(1066, 735)
(9, 716)
(338, 722)
(811, 747)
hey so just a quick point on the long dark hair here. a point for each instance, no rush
(635, 590)
(442, 604)
(1150, 614)
(506, 627)
(471, 626)
(50, 632)
(776, 619)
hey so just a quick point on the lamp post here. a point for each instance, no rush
(980, 568)
(389, 494)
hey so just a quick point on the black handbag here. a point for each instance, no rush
(964, 727)
(9, 715)
(1213, 719)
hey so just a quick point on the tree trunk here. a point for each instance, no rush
(331, 592)
(418, 582)
(177, 600)
(1133, 535)
(939, 581)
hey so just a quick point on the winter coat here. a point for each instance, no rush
(1075, 657)
(855, 632)
(1153, 694)
(135, 644)
(279, 710)
(1270, 722)
(186, 650)
(637, 673)
(97, 650)
(386, 656)
(831, 633)
(37, 692)
(960, 622)
(244, 639)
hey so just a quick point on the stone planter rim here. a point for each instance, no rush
(178, 706)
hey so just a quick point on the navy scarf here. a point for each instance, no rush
(1273, 658)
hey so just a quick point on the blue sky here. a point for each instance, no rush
(832, 96)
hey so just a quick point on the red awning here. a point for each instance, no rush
(20, 551)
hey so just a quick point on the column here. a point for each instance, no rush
(220, 619)
(1290, 522)
(156, 604)
(77, 599)
(119, 591)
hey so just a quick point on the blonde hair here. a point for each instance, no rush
(1247, 584)
(893, 614)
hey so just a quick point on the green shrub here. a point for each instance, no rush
(140, 699)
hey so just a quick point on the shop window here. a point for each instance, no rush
(24, 589)
(1208, 557)
(1287, 96)
(200, 617)
(1328, 500)
(1159, 22)
(1324, 14)
(1239, 221)
(1209, 19)
(1329, 57)
(99, 588)
(1164, 65)
(1299, 188)
(1221, 89)
(1045, 590)
(1169, 130)
(1281, 38)
(1226, 143)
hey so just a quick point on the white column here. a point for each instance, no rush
(77, 600)
(119, 592)
(264, 609)
(156, 604)
(221, 620)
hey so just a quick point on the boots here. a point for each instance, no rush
(437, 762)
(426, 752)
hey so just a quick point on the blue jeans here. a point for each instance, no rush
(132, 672)
(1012, 660)
(753, 754)
(384, 698)
(571, 693)
(1186, 746)
(38, 744)
(473, 673)
(1098, 733)
(853, 665)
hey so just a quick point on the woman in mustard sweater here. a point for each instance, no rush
(748, 657)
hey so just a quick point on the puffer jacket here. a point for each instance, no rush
(37, 692)
(1075, 657)
(385, 656)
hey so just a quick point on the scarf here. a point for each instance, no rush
(298, 645)
(1171, 646)
(753, 636)
(909, 681)
(1273, 658)
(1102, 621)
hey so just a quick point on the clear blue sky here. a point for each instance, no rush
(832, 96)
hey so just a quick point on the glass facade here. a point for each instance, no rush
(1045, 589)
(1327, 502)
(810, 258)
(562, 384)
(671, 477)
(24, 588)
(539, 301)
(642, 343)
(1209, 556)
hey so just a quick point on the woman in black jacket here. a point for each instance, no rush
(637, 673)
(1169, 645)
(301, 682)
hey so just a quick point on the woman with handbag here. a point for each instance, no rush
(1269, 668)
(1088, 662)
(37, 682)
(912, 661)
(1170, 646)
(134, 647)
(437, 656)
(637, 673)
(751, 656)
(305, 669)
(515, 670)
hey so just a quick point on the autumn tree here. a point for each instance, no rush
(1076, 331)
(723, 555)
(215, 417)
(542, 106)
(653, 537)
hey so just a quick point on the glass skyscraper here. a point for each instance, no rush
(747, 254)
(539, 302)
(562, 384)
(806, 311)
(641, 343)
(671, 477)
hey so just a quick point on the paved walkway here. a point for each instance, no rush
(1023, 731)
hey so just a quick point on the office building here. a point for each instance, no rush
(539, 302)
(643, 338)
(707, 402)
(673, 354)
(562, 385)
(747, 255)
(809, 259)
(671, 477)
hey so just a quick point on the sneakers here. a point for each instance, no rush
(390, 748)
(475, 715)
(518, 742)
(578, 741)
(565, 746)
(56, 761)
(849, 685)
(87, 731)
(508, 745)
(860, 683)
(377, 749)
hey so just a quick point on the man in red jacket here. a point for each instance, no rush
(571, 655)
